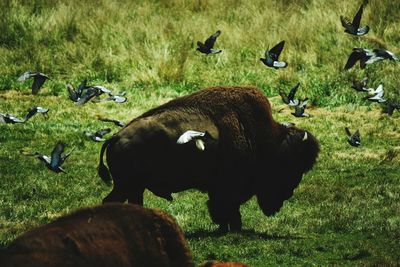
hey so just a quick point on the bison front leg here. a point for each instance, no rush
(224, 212)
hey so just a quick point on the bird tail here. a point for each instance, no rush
(103, 171)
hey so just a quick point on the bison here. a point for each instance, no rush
(123, 235)
(247, 153)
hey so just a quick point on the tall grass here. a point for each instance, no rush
(345, 211)
(139, 43)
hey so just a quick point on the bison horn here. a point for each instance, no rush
(305, 136)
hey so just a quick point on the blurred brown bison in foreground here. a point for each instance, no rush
(246, 153)
(107, 235)
(223, 264)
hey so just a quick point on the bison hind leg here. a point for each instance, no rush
(116, 195)
(136, 196)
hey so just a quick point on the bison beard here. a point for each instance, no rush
(107, 235)
(249, 153)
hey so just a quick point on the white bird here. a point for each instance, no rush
(199, 138)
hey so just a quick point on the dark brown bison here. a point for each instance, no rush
(223, 264)
(106, 235)
(247, 153)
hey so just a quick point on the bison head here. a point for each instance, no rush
(297, 153)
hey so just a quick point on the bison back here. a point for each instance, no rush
(106, 235)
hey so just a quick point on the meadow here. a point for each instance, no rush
(346, 210)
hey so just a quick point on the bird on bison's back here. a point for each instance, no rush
(247, 155)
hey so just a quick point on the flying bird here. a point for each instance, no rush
(360, 85)
(9, 118)
(354, 26)
(34, 110)
(91, 92)
(272, 56)
(299, 110)
(116, 122)
(289, 99)
(198, 137)
(390, 107)
(56, 159)
(366, 56)
(353, 139)
(38, 80)
(88, 95)
(98, 136)
(208, 46)
(75, 95)
(376, 95)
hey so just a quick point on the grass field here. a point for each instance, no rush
(346, 210)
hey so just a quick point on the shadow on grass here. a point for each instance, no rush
(245, 233)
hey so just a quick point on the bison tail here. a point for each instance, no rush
(103, 171)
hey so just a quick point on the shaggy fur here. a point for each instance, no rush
(249, 153)
(121, 235)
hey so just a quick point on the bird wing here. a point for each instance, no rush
(43, 158)
(275, 51)
(102, 89)
(81, 87)
(89, 95)
(38, 81)
(303, 103)
(293, 91)
(353, 58)
(72, 93)
(56, 155)
(31, 112)
(188, 136)
(284, 97)
(209, 43)
(2, 120)
(347, 131)
(102, 132)
(11, 118)
(26, 75)
(356, 136)
(357, 17)
(379, 91)
(119, 99)
(65, 157)
(346, 23)
(385, 54)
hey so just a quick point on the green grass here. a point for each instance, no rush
(346, 210)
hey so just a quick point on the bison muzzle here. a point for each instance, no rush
(247, 153)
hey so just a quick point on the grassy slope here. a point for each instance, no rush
(346, 210)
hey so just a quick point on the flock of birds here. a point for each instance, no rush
(81, 95)
(362, 55)
(85, 93)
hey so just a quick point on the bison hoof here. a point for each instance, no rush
(222, 229)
